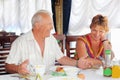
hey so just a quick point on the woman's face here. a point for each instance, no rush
(97, 32)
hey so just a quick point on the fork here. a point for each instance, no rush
(78, 72)
(31, 68)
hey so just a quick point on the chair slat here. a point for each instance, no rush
(69, 40)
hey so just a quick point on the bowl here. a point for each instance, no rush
(71, 71)
(39, 69)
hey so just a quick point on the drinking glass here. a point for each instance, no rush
(116, 69)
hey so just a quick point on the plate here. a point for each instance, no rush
(23, 76)
(69, 70)
(64, 67)
(65, 78)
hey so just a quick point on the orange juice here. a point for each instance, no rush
(116, 71)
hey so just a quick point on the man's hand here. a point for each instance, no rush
(83, 63)
(22, 68)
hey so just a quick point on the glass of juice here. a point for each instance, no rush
(116, 69)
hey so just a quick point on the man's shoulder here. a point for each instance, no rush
(51, 39)
(24, 37)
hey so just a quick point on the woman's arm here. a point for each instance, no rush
(81, 63)
(107, 44)
(81, 49)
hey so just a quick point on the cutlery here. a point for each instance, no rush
(78, 72)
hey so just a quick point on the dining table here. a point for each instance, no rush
(90, 74)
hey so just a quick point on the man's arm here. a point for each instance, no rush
(21, 69)
(11, 68)
(81, 63)
(67, 61)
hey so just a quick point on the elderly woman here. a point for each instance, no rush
(93, 44)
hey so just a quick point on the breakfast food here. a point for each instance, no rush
(81, 76)
(59, 69)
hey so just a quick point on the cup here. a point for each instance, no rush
(40, 69)
(36, 71)
(71, 71)
(116, 69)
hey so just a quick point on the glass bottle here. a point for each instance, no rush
(107, 71)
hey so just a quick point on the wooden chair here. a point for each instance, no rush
(7, 40)
(71, 45)
(5, 46)
(61, 41)
(3, 55)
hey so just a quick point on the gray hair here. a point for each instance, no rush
(37, 17)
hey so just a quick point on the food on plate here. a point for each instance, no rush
(59, 69)
(81, 76)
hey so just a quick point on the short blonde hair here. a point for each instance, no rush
(101, 21)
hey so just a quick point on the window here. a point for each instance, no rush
(115, 40)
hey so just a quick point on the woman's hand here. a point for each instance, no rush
(103, 37)
(95, 62)
(87, 63)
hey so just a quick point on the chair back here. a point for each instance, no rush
(61, 41)
(6, 41)
(5, 45)
(3, 55)
(71, 45)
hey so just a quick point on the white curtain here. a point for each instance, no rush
(15, 15)
(82, 11)
(1, 15)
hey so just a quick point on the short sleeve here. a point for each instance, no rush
(59, 54)
(14, 55)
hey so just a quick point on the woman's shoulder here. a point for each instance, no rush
(82, 37)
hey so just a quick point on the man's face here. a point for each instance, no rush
(46, 25)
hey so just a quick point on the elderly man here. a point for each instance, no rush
(38, 47)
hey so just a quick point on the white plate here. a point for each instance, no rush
(65, 78)
(70, 70)
(64, 67)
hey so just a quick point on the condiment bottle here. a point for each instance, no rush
(107, 71)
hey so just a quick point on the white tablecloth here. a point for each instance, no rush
(90, 74)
